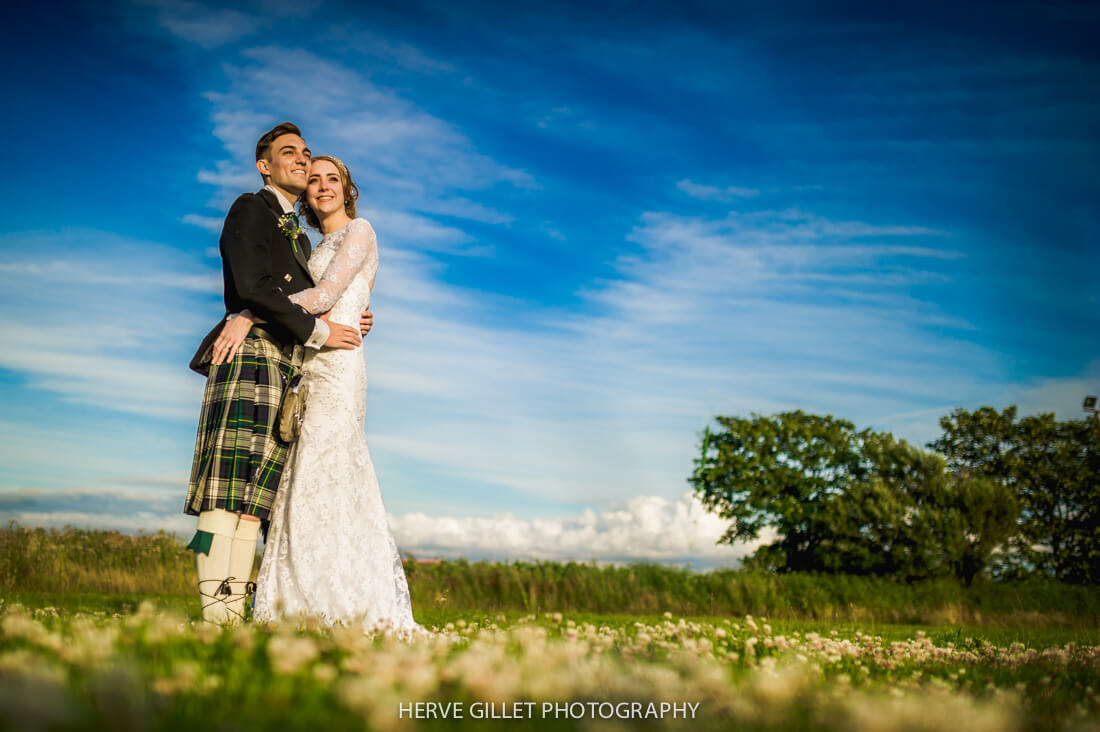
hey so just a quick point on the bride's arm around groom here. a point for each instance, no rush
(357, 253)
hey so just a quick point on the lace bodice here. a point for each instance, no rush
(340, 258)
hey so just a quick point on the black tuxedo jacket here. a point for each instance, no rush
(260, 268)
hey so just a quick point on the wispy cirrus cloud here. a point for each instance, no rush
(714, 193)
(413, 168)
(212, 25)
(59, 271)
(384, 137)
(209, 223)
(761, 312)
(105, 319)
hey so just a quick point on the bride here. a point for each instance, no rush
(329, 551)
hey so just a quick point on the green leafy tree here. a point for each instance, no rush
(781, 472)
(1052, 468)
(848, 500)
(978, 442)
(971, 518)
(876, 522)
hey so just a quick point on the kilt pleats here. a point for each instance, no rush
(239, 457)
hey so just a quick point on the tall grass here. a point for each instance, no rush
(75, 560)
(648, 588)
(79, 561)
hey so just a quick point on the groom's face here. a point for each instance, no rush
(287, 163)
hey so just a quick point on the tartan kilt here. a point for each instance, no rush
(239, 457)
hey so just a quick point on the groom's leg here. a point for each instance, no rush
(213, 564)
(241, 560)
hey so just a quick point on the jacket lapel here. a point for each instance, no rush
(305, 245)
(302, 250)
(302, 253)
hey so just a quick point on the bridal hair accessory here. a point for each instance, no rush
(292, 410)
(288, 224)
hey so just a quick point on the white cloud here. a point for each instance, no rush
(463, 208)
(131, 522)
(421, 231)
(1061, 396)
(101, 261)
(710, 317)
(713, 193)
(91, 375)
(114, 454)
(603, 401)
(596, 399)
(215, 29)
(404, 159)
(103, 274)
(209, 223)
(106, 320)
(210, 26)
(644, 528)
(231, 181)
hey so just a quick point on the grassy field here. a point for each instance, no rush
(99, 631)
(95, 563)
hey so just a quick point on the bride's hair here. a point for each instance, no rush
(351, 192)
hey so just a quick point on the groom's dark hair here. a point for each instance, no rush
(264, 145)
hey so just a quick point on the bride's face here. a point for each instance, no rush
(325, 192)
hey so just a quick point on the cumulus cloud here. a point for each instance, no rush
(643, 529)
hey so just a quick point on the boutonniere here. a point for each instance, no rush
(288, 224)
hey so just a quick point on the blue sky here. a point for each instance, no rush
(598, 227)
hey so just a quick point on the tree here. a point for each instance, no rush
(780, 472)
(978, 442)
(878, 523)
(1053, 469)
(847, 500)
(972, 518)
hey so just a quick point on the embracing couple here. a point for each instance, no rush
(329, 552)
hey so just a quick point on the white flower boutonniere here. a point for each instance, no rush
(288, 224)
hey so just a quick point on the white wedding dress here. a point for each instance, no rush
(330, 553)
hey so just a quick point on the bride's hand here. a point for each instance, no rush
(232, 335)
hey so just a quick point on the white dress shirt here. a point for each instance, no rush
(320, 328)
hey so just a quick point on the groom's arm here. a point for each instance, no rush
(244, 247)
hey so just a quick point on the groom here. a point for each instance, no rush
(238, 456)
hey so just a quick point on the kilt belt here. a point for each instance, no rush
(239, 457)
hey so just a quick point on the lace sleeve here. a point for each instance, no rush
(358, 252)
